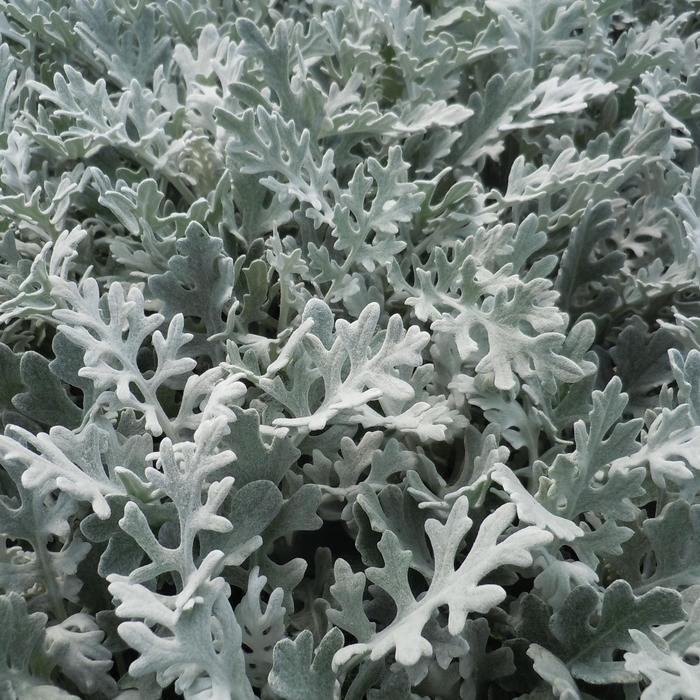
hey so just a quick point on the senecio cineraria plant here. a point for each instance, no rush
(350, 349)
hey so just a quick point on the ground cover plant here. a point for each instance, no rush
(349, 349)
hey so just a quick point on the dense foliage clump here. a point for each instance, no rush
(350, 349)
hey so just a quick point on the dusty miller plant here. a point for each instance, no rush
(350, 349)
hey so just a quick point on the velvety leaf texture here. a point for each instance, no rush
(350, 349)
